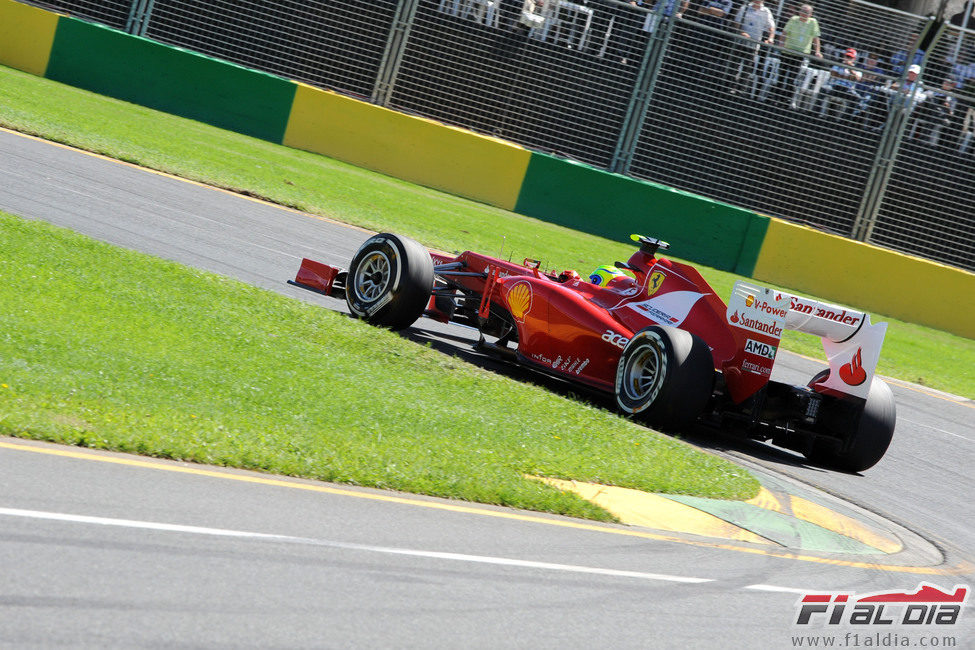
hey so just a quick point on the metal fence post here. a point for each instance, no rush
(887, 150)
(139, 14)
(639, 103)
(399, 34)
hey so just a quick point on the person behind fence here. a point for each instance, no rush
(627, 37)
(871, 88)
(714, 47)
(910, 88)
(899, 58)
(936, 112)
(908, 95)
(967, 131)
(663, 10)
(755, 23)
(799, 37)
(842, 85)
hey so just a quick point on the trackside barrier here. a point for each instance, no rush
(581, 197)
(483, 168)
(169, 79)
(415, 149)
(850, 272)
(26, 36)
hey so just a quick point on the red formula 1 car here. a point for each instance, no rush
(658, 338)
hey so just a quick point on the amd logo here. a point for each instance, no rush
(760, 349)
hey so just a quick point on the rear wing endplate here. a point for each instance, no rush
(851, 342)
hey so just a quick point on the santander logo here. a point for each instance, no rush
(853, 373)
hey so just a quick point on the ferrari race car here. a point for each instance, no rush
(656, 337)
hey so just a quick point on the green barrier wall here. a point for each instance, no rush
(169, 79)
(591, 200)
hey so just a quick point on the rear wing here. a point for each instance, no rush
(759, 315)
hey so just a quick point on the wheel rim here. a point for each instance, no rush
(372, 276)
(641, 373)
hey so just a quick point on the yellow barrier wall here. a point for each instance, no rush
(26, 36)
(867, 277)
(411, 148)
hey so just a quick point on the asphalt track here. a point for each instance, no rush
(191, 560)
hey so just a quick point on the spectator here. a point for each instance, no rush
(799, 37)
(628, 39)
(961, 20)
(713, 48)
(754, 22)
(714, 13)
(910, 85)
(935, 113)
(967, 130)
(871, 87)
(663, 10)
(907, 95)
(899, 58)
(842, 84)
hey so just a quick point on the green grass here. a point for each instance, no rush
(330, 188)
(96, 351)
(114, 349)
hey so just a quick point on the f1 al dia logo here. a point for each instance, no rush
(927, 605)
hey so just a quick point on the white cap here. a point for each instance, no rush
(916, 69)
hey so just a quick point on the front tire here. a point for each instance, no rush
(665, 376)
(389, 281)
(871, 433)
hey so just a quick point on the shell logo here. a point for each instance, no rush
(520, 300)
(750, 300)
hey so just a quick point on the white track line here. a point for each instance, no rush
(461, 557)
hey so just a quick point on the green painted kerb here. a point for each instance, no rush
(609, 205)
(170, 79)
(781, 529)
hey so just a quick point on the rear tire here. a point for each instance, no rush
(389, 281)
(665, 377)
(874, 429)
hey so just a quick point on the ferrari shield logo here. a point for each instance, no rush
(656, 281)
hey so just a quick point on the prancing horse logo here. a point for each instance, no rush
(656, 281)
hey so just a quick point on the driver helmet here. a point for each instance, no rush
(604, 274)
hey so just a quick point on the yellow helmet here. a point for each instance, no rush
(602, 275)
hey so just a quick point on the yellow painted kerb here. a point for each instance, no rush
(411, 148)
(637, 508)
(868, 277)
(26, 36)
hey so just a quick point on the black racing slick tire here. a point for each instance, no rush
(870, 432)
(665, 377)
(389, 281)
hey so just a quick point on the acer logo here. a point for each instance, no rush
(853, 373)
(616, 339)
